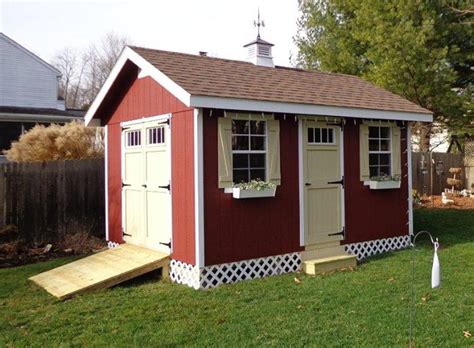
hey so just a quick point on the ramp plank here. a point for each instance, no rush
(101, 270)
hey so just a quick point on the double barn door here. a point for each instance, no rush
(146, 191)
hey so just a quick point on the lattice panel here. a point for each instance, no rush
(378, 246)
(112, 245)
(249, 269)
(183, 273)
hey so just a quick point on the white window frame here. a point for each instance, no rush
(389, 152)
(333, 129)
(163, 143)
(249, 151)
(127, 132)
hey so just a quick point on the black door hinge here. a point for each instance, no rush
(166, 244)
(168, 187)
(125, 128)
(123, 185)
(340, 182)
(338, 233)
(126, 234)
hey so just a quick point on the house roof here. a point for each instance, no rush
(207, 82)
(207, 76)
(16, 113)
(28, 52)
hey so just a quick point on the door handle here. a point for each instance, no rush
(307, 184)
(144, 185)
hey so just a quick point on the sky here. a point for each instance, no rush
(218, 27)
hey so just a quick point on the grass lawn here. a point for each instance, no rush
(367, 307)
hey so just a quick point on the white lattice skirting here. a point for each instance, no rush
(211, 276)
(377, 246)
(112, 245)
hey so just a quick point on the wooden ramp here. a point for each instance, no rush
(101, 270)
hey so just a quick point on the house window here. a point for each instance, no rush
(133, 138)
(156, 135)
(321, 136)
(379, 151)
(249, 154)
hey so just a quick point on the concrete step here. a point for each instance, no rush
(328, 264)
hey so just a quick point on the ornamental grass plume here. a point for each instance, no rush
(57, 142)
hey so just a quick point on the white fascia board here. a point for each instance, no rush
(11, 117)
(305, 109)
(146, 69)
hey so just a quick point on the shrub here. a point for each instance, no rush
(57, 142)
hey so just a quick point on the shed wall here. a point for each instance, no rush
(250, 228)
(143, 98)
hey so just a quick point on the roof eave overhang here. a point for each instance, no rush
(25, 117)
(146, 69)
(305, 109)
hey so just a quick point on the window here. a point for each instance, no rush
(156, 135)
(249, 155)
(321, 136)
(379, 151)
(134, 138)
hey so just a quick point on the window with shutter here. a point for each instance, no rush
(379, 150)
(249, 149)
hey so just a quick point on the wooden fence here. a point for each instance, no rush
(49, 200)
(431, 169)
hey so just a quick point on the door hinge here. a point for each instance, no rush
(166, 244)
(340, 182)
(342, 233)
(168, 187)
(126, 234)
(125, 128)
(124, 184)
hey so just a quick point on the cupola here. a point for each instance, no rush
(259, 50)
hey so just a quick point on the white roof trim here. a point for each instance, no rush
(31, 54)
(305, 109)
(147, 69)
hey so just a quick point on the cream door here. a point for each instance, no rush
(323, 189)
(157, 179)
(146, 191)
(132, 189)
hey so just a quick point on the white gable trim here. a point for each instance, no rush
(31, 54)
(146, 69)
(305, 109)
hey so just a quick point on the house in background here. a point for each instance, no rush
(28, 92)
(182, 130)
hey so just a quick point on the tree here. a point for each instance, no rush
(83, 74)
(57, 142)
(422, 50)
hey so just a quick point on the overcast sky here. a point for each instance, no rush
(218, 27)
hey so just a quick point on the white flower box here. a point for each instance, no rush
(384, 185)
(239, 193)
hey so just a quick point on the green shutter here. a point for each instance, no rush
(364, 152)
(224, 136)
(396, 156)
(274, 175)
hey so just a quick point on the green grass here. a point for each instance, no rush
(367, 307)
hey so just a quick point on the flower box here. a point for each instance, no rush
(239, 193)
(384, 184)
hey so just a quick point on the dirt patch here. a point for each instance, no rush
(460, 202)
(17, 252)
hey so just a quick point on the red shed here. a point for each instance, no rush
(245, 169)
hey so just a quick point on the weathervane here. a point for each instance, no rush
(258, 23)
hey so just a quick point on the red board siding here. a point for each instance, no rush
(142, 98)
(250, 228)
(372, 214)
